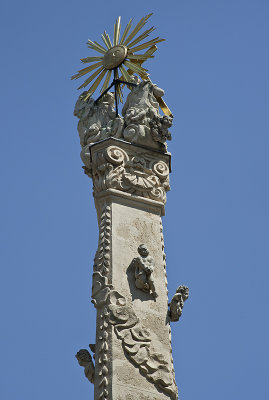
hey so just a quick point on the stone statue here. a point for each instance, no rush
(177, 303)
(159, 128)
(141, 122)
(144, 267)
(85, 360)
(144, 124)
(127, 159)
(97, 121)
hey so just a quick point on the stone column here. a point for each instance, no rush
(130, 173)
(133, 350)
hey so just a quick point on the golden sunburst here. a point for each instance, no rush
(119, 57)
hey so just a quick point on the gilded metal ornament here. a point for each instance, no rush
(119, 56)
(115, 56)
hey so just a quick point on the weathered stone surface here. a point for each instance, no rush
(114, 164)
(85, 360)
(177, 303)
(141, 122)
(127, 160)
(143, 267)
(139, 321)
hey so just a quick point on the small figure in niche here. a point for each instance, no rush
(144, 267)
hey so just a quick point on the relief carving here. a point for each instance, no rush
(100, 291)
(143, 122)
(97, 121)
(102, 360)
(139, 174)
(141, 346)
(143, 267)
(177, 303)
(102, 257)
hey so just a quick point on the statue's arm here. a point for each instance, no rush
(158, 92)
(151, 266)
(133, 262)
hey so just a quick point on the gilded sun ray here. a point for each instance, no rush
(117, 55)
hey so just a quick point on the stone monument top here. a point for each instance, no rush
(127, 159)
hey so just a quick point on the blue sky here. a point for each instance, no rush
(214, 69)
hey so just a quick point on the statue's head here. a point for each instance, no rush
(108, 98)
(134, 79)
(167, 121)
(142, 250)
(82, 107)
(183, 291)
(83, 357)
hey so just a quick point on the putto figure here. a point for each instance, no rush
(85, 360)
(177, 303)
(144, 267)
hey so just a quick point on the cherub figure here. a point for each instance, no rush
(144, 267)
(177, 302)
(159, 128)
(85, 360)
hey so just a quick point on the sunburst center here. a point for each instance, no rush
(114, 56)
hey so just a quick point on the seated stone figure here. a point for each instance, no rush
(144, 267)
(97, 121)
(177, 302)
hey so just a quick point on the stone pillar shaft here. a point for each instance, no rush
(133, 343)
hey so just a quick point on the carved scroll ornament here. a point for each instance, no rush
(141, 175)
(140, 345)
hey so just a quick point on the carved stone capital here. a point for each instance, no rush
(114, 164)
